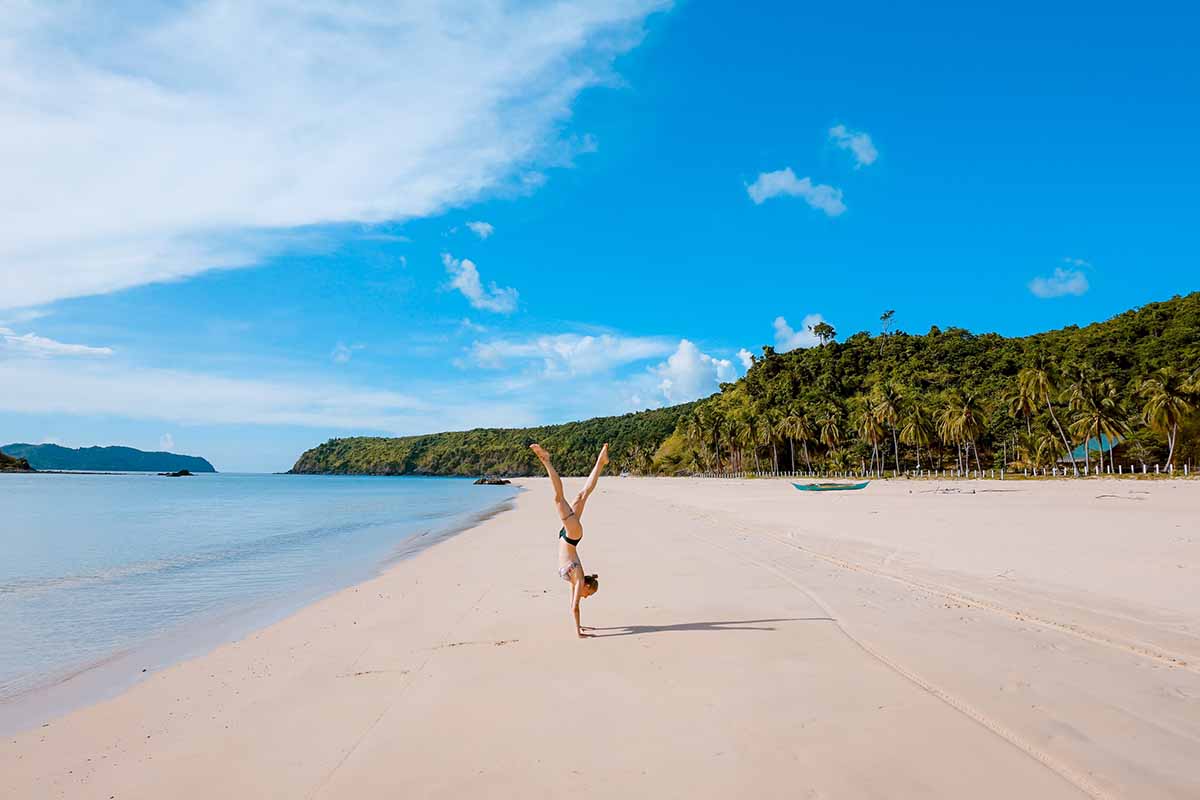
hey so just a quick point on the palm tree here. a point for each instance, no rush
(830, 425)
(1166, 405)
(961, 420)
(918, 429)
(1023, 403)
(888, 404)
(1039, 377)
(747, 434)
(768, 433)
(869, 428)
(696, 432)
(796, 425)
(1097, 407)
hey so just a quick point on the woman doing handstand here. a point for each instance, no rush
(569, 567)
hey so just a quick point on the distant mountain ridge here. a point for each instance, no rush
(107, 459)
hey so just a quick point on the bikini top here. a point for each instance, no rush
(562, 534)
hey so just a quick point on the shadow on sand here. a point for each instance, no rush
(732, 625)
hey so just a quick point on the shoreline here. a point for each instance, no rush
(759, 640)
(110, 677)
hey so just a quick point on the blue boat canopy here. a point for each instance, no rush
(1096, 445)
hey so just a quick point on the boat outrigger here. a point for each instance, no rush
(829, 487)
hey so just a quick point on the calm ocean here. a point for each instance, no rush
(97, 569)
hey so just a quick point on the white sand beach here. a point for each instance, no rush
(1036, 639)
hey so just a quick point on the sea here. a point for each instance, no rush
(104, 578)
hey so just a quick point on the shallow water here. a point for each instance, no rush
(92, 566)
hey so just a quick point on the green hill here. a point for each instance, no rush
(104, 459)
(946, 398)
(633, 438)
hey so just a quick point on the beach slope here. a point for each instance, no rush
(997, 640)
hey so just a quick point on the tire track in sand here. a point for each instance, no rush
(1069, 774)
(1159, 655)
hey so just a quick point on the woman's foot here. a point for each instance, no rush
(603, 455)
(540, 452)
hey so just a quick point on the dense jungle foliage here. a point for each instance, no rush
(632, 438)
(952, 399)
(892, 402)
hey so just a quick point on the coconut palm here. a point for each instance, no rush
(1097, 408)
(1023, 403)
(768, 433)
(961, 420)
(869, 428)
(695, 430)
(747, 435)
(888, 404)
(797, 425)
(918, 428)
(1166, 404)
(830, 426)
(1040, 379)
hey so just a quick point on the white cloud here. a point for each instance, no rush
(784, 182)
(787, 339)
(1063, 282)
(746, 357)
(464, 276)
(102, 388)
(856, 142)
(689, 373)
(467, 325)
(569, 354)
(166, 442)
(342, 353)
(481, 229)
(30, 344)
(153, 141)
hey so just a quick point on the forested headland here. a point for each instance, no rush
(500, 451)
(884, 403)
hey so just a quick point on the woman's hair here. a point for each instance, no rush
(592, 582)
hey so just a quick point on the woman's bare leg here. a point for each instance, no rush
(564, 510)
(590, 486)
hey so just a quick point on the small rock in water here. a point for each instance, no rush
(487, 480)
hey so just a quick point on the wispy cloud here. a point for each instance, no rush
(166, 442)
(1068, 280)
(857, 142)
(152, 143)
(30, 344)
(482, 229)
(98, 388)
(464, 276)
(342, 352)
(787, 339)
(784, 182)
(568, 354)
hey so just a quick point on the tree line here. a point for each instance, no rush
(895, 402)
(890, 401)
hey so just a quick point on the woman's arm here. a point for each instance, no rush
(576, 596)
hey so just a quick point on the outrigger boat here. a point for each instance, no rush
(829, 487)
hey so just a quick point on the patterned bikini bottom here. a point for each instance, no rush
(565, 572)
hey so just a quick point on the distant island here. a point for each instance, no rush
(10, 464)
(102, 459)
(889, 402)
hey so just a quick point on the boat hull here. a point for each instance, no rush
(830, 487)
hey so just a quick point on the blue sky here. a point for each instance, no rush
(236, 231)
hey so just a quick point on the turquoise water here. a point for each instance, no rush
(92, 566)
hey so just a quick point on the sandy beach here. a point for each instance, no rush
(1035, 639)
